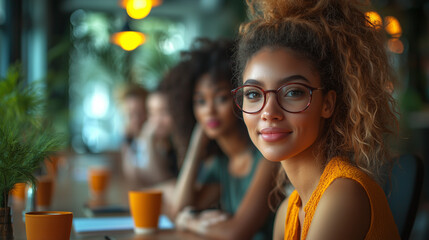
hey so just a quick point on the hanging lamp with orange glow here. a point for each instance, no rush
(155, 3)
(139, 9)
(128, 39)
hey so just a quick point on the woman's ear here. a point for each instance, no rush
(329, 104)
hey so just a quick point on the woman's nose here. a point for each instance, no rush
(272, 110)
(211, 106)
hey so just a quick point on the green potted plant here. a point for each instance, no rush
(25, 140)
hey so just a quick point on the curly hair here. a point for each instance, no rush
(349, 55)
(204, 57)
(173, 84)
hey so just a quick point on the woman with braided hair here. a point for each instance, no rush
(314, 91)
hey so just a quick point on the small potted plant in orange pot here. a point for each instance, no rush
(25, 141)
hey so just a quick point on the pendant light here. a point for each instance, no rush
(128, 39)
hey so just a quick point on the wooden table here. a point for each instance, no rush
(71, 194)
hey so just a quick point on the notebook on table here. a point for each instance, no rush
(120, 223)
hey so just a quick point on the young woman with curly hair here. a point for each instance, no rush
(314, 91)
(224, 183)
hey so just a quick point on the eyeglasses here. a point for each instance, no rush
(292, 97)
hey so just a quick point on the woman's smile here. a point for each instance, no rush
(213, 123)
(272, 134)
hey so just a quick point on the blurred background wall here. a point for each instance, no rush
(67, 45)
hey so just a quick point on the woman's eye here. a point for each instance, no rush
(199, 101)
(221, 99)
(252, 94)
(295, 93)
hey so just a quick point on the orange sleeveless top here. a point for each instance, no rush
(382, 224)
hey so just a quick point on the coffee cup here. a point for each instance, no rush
(45, 187)
(18, 191)
(98, 181)
(145, 208)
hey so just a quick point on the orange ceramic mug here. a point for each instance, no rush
(98, 181)
(50, 225)
(18, 191)
(45, 186)
(145, 207)
(51, 164)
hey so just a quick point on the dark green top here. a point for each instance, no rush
(233, 189)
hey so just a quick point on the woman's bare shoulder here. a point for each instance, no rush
(279, 224)
(343, 212)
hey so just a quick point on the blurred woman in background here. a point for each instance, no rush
(222, 170)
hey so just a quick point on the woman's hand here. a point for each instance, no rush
(183, 218)
(198, 223)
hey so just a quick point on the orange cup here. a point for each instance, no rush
(45, 186)
(52, 165)
(145, 207)
(18, 191)
(50, 225)
(98, 181)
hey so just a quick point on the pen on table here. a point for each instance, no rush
(108, 238)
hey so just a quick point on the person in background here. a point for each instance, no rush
(159, 128)
(223, 187)
(315, 92)
(147, 155)
(132, 99)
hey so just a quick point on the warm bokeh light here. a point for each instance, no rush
(374, 18)
(128, 40)
(137, 9)
(155, 3)
(392, 26)
(395, 45)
